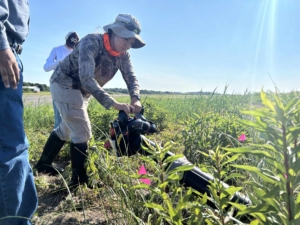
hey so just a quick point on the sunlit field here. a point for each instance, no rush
(205, 129)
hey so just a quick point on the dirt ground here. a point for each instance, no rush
(58, 207)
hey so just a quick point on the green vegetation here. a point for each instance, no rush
(151, 92)
(205, 128)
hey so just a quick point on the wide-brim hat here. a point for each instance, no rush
(126, 26)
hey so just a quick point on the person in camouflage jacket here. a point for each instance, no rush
(94, 61)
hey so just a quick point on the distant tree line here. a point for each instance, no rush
(45, 88)
(125, 91)
(42, 87)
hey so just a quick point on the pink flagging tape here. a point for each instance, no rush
(144, 171)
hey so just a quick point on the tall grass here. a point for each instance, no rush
(206, 129)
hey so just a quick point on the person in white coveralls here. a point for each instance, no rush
(56, 56)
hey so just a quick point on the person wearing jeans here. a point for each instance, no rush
(18, 197)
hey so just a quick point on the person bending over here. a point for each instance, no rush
(57, 54)
(94, 62)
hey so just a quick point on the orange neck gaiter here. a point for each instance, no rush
(108, 47)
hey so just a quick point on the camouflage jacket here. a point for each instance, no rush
(89, 67)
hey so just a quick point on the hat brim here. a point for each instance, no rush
(123, 32)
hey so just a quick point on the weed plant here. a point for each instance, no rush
(204, 128)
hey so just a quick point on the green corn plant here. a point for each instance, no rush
(275, 185)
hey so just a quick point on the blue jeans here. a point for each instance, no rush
(18, 197)
(57, 117)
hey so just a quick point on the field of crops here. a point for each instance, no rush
(204, 128)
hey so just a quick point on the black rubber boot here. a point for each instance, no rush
(51, 150)
(78, 156)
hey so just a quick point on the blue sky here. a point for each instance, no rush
(192, 45)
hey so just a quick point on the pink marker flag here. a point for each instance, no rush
(107, 145)
(242, 137)
(143, 171)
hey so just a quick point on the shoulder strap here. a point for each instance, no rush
(97, 59)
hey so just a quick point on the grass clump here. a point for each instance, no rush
(204, 128)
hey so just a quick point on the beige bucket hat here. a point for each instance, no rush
(127, 26)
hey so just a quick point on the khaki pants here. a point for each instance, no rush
(72, 107)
